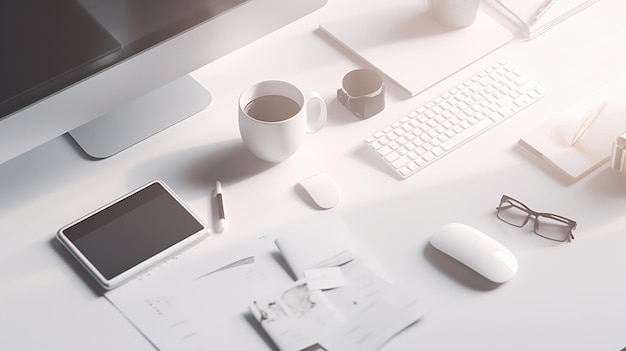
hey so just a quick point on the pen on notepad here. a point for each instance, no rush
(541, 10)
(221, 221)
(587, 122)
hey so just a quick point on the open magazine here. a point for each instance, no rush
(339, 301)
(364, 313)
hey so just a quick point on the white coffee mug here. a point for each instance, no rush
(455, 13)
(274, 116)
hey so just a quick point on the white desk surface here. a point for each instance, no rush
(568, 296)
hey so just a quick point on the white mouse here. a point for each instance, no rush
(476, 250)
(322, 190)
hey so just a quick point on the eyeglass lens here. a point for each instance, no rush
(546, 225)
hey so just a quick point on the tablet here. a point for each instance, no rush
(131, 234)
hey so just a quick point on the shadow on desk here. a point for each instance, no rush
(81, 272)
(229, 162)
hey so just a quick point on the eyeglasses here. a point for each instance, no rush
(547, 225)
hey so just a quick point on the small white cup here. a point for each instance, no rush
(456, 13)
(274, 116)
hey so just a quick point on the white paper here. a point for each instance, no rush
(319, 243)
(197, 302)
(324, 278)
(201, 300)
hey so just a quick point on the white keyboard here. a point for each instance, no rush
(457, 116)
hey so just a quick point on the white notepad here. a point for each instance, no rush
(552, 141)
(403, 40)
(525, 11)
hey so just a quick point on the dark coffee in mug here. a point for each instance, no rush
(272, 108)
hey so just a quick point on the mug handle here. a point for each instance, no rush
(316, 112)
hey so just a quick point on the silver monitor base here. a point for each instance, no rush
(142, 118)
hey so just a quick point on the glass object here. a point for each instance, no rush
(547, 225)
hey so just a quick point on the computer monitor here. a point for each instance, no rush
(113, 72)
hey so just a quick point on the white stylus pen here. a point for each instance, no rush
(221, 222)
(542, 9)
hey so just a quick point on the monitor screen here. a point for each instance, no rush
(65, 63)
(57, 43)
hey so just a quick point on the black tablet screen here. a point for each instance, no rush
(132, 230)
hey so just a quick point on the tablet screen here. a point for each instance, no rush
(132, 230)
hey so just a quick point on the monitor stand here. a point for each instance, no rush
(142, 118)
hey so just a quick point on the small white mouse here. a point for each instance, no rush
(476, 250)
(322, 190)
